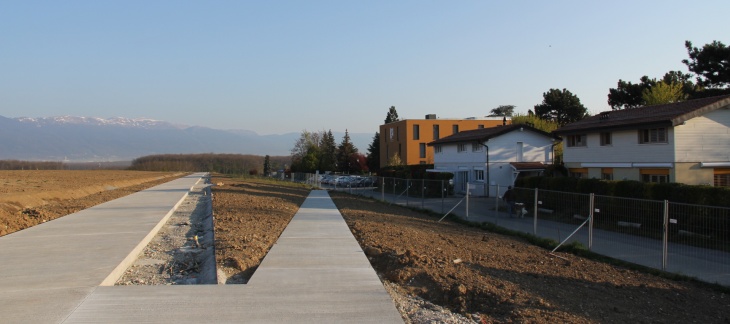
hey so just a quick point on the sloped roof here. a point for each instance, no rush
(483, 134)
(526, 166)
(660, 115)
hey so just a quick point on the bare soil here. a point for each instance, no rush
(430, 266)
(484, 276)
(32, 197)
(249, 217)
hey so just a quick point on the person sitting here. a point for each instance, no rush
(509, 198)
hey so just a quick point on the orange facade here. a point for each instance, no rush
(409, 138)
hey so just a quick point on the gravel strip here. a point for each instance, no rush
(182, 251)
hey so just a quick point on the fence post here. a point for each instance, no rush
(443, 193)
(423, 192)
(467, 200)
(665, 235)
(591, 214)
(408, 188)
(534, 215)
(496, 205)
(382, 188)
(394, 182)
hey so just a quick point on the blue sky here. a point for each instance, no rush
(275, 67)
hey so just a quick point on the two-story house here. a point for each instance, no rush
(408, 138)
(495, 156)
(686, 142)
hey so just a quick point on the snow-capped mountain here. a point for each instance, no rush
(122, 139)
(97, 121)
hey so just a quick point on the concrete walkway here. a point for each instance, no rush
(60, 271)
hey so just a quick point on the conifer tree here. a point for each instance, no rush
(344, 151)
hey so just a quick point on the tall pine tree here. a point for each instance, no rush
(374, 154)
(344, 151)
(392, 115)
(328, 153)
(267, 166)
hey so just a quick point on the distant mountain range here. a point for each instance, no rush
(121, 139)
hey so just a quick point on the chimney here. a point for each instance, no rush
(431, 116)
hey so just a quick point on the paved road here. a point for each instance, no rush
(61, 271)
(708, 265)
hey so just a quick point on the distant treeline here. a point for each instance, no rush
(30, 165)
(209, 162)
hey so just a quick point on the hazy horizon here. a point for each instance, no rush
(277, 67)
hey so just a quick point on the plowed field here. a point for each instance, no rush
(31, 197)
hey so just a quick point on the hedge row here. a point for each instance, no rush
(414, 172)
(674, 192)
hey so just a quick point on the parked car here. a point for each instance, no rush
(363, 182)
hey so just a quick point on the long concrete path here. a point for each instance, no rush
(61, 271)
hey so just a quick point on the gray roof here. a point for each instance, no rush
(483, 134)
(659, 115)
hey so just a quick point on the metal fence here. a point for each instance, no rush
(687, 239)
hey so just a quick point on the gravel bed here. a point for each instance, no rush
(182, 252)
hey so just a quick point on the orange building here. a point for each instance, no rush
(408, 138)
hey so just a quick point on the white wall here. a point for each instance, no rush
(625, 148)
(705, 138)
(502, 150)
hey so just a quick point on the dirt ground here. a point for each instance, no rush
(488, 277)
(249, 218)
(31, 197)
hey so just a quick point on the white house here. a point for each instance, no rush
(491, 157)
(686, 142)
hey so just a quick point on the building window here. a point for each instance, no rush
(480, 126)
(605, 139)
(578, 173)
(476, 147)
(576, 140)
(437, 149)
(722, 177)
(416, 132)
(454, 129)
(652, 135)
(655, 175)
(607, 173)
(397, 134)
(422, 150)
(655, 178)
(479, 175)
(435, 132)
(461, 148)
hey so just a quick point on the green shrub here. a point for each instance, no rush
(674, 192)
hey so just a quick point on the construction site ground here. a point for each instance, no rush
(483, 276)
